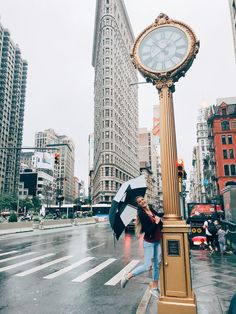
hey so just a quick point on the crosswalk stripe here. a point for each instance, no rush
(68, 268)
(37, 268)
(15, 257)
(114, 280)
(7, 253)
(25, 262)
(94, 270)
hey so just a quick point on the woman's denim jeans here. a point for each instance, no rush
(152, 256)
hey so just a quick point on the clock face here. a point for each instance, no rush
(163, 49)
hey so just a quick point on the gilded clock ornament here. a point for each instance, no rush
(165, 49)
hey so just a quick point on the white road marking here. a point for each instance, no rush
(37, 268)
(42, 243)
(7, 253)
(68, 268)
(95, 247)
(25, 262)
(94, 270)
(15, 257)
(114, 280)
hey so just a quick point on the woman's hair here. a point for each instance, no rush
(136, 199)
(138, 225)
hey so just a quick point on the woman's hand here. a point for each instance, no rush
(157, 219)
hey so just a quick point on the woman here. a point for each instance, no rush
(149, 223)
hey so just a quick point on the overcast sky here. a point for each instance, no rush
(56, 37)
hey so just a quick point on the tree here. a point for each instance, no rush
(26, 203)
(36, 203)
(8, 202)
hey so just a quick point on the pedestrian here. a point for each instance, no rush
(202, 245)
(222, 238)
(207, 225)
(150, 224)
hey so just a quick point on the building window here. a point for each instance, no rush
(225, 126)
(224, 112)
(231, 153)
(230, 139)
(233, 124)
(106, 171)
(232, 170)
(225, 155)
(106, 185)
(226, 170)
(106, 112)
(223, 139)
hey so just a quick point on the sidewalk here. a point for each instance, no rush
(11, 228)
(213, 281)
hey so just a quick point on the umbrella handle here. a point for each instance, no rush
(114, 240)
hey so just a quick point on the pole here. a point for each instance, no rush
(176, 296)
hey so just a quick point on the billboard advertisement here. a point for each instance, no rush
(43, 160)
(202, 210)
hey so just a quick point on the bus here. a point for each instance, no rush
(73, 210)
(56, 211)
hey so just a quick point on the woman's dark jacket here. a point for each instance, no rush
(149, 227)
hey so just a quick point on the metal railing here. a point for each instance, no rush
(231, 236)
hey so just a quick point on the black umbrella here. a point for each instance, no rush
(123, 206)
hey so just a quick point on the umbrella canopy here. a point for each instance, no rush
(123, 206)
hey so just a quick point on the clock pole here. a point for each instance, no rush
(177, 296)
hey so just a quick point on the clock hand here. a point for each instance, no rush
(156, 44)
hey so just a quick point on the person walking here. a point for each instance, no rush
(209, 236)
(150, 224)
(221, 238)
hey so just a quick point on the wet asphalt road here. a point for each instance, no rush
(65, 255)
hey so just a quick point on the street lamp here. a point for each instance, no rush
(163, 53)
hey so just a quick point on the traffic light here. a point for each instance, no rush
(180, 168)
(56, 158)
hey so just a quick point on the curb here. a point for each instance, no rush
(18, 230)
(142, 307)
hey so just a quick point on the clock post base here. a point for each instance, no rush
(168, 305)
(177, 296)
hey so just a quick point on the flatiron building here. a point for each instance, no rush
(115, 101)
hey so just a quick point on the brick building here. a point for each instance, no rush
(222, 135)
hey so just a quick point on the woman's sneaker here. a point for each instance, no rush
(124, 280)
(155, 292)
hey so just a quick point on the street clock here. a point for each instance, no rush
(166, 48)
